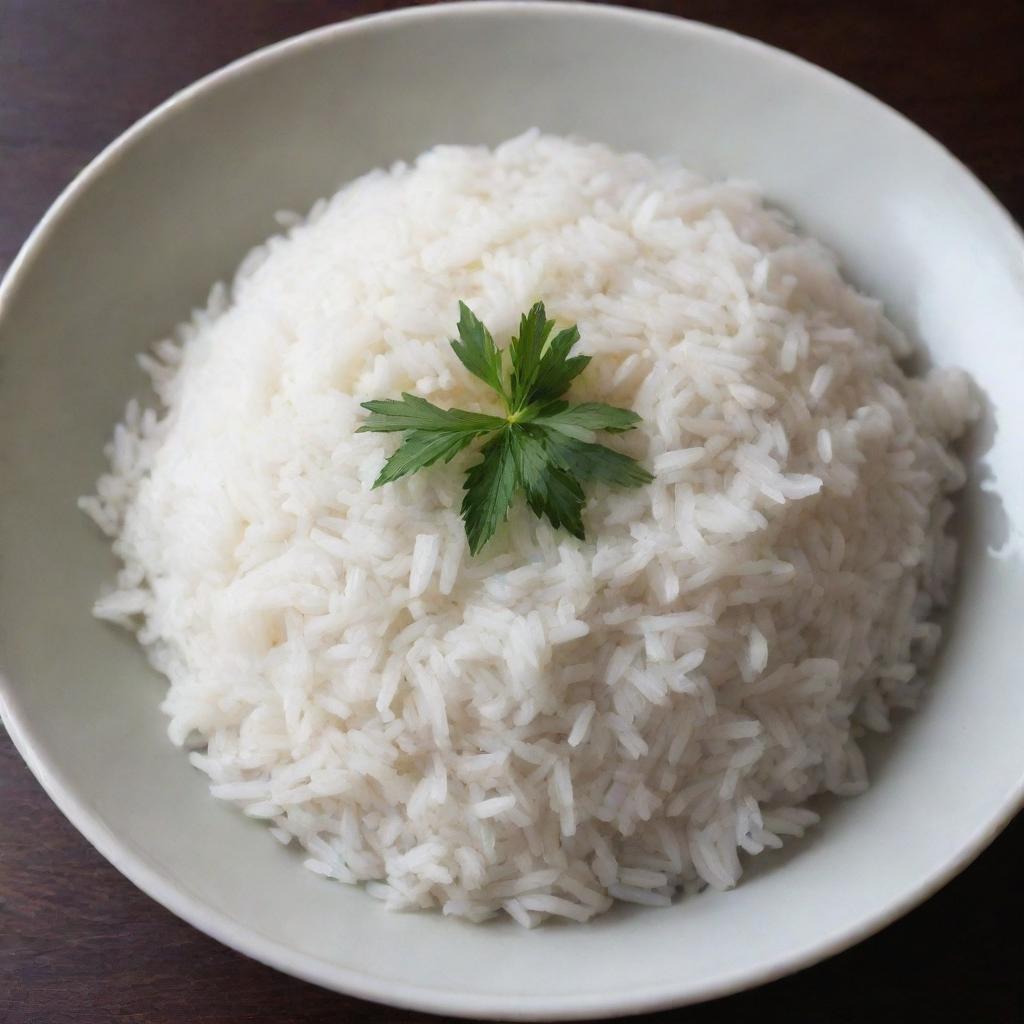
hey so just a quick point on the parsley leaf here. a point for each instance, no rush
(490, 485)
(527, 351)
(477, 351)
(551, 490)
(542, 445)
(588, 461)
(415, 413)
(581, 421)
(557, 370)
(421, 448)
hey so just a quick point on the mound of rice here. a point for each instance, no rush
(553, 724)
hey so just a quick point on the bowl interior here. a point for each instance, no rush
(174, 207)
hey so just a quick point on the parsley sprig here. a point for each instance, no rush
(542, 445)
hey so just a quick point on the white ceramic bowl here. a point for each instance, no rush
(173, 204)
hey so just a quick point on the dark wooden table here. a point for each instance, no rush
(78, 943)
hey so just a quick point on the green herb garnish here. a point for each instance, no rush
(541, 445)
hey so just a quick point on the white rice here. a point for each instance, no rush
(554, 723)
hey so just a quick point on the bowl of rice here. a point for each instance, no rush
(739, 710)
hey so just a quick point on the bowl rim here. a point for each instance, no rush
(149, 877)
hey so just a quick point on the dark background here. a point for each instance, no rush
(78, 943)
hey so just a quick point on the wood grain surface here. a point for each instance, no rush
(78, 943)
